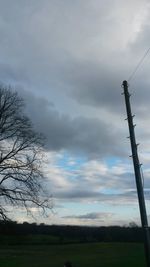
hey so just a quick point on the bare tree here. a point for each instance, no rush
(21, 156)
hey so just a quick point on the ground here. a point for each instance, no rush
(81, 255)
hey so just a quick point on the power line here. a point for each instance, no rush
(138, 65)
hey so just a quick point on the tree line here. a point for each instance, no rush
(73, 234)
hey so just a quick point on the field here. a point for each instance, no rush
(81, 255)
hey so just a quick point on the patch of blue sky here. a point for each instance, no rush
(111, 191)
(83, 208)
(113, 161)
(69, 163)
(120, 211)
(72, 163)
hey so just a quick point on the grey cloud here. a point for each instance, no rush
(102, 216)
(109, 198)
(49, 53)
(88, 136)
(45, 36)
(140, 82)
(124, 198)
(92, 86)
(141, 43)
(47, 48)
(78, 195)
(99, 85)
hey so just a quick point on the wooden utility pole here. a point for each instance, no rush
(137, 172)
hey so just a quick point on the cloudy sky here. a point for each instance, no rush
(68, 59)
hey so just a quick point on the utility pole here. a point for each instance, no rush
(137, 172)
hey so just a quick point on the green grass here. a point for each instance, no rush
(28, 240)
(81, 255)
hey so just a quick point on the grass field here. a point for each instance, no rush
(81, 255)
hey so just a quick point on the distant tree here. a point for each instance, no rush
(21, 156)
(133, 225)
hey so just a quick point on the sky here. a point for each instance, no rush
(68, 59)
